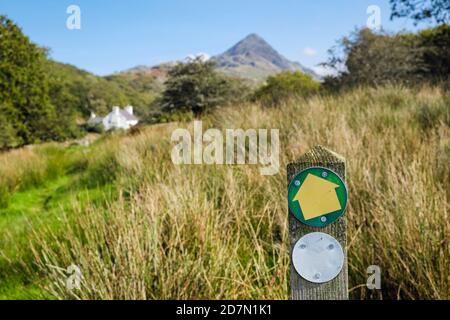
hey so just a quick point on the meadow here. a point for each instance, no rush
(140, 227)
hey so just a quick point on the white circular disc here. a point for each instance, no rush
(318, 257)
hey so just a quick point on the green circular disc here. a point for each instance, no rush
(317, 196)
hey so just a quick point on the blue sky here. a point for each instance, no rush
(116, 35)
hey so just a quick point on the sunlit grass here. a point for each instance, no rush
(153, 230)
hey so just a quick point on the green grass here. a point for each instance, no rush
(140, 227)
(27, 209)
(39, 203)
(15, 288)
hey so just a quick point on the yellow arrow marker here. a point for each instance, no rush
(317, 197)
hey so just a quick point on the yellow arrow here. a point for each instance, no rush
(317, 197)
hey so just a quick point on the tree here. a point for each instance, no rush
(284, 85)
(40, 99)
(436, 47)
(195, 86)
(26, 111)
(421, 10)
(368, 58)
(8, 134)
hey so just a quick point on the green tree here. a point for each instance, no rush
(368, 58)
(284, 85)
(27, 114)
(421, 10)
(8, 133)
(195, 86)
(41, 99)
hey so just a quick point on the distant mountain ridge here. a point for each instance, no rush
(251, 58)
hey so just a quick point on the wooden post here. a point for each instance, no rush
(301, 289)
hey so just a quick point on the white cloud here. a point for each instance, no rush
(324, 71)
(203, 56)
(310, 52)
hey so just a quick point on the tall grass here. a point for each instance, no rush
(26, 168)
(221, 231)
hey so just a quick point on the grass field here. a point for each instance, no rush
(140, 227)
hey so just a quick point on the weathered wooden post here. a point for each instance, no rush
(323, 220)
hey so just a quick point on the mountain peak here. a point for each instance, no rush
(251, 44)
(253, 37)
(253, 57)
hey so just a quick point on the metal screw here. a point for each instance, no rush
(317, 276)
(323, 219)
(324, 174)
(330, 247)
(302, 246)
(297, 183)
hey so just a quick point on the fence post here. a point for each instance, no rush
(301, 289)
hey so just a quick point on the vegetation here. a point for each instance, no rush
(141, 228)
(436, 45)
(195, 86)
(421, 10)
(40, 99)
(26, 113)
(368, 58)
(285, 85)
(82, 92)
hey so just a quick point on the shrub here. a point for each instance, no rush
(175, 116)
(284, 85)
(96, 128)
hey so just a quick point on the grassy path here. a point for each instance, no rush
(36, 206)
(27, 210)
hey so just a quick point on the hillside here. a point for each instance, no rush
(83, 92)
(44, 100)
(140, 227)
(159, 72)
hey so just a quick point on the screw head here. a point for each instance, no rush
(330, 246)
(303, 246)
(317, 276)
(297, 183)
(323, 219)
(324, 174)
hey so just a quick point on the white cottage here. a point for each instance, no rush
(116, 119)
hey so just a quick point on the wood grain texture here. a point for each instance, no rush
(336, 289)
